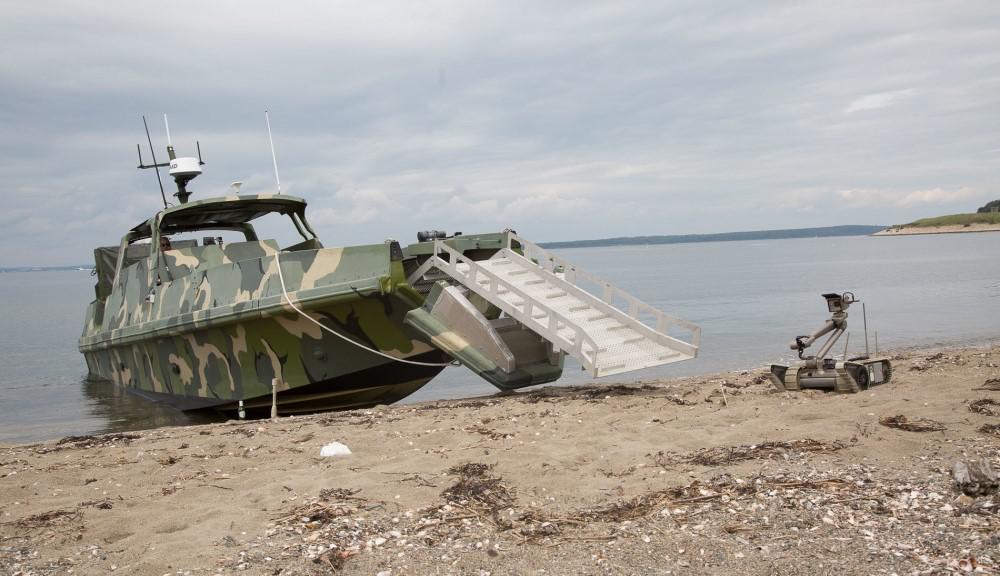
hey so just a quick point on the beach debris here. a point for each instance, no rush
(990, 384)
(987, 406)
(49, 518)
(993, 429)
(89, 441)
(741, 384)
(974, 477)
(727, 383)
(721, 455)
(333, 526)
(334, 449)
(103, 504)
(965, 564)
(304, 438)
(332, 503)
(488, 432)
(322, 511)
(477, 487)
(542, 529)
(334, 559)
(674, 398)
(911, 424)
(723, 489)
(936, 360)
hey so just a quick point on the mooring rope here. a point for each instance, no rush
(284, 292)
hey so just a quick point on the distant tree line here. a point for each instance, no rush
(852, 230)
(993, 206)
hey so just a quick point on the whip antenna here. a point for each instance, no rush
(154, 165)
(170, 144)
(274, 158)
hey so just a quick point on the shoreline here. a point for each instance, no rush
(714, 473)
(951, 229)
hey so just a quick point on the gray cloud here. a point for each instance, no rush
(562, 120)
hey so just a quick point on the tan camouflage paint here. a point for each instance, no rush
(210, 323)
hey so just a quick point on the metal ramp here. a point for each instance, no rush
(608, 335)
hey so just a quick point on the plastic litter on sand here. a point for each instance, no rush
(334, 449)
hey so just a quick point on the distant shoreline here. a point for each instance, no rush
(81, 268)
(950, 229)
(822, 232)
(787, 233)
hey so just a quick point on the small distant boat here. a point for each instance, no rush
(185, 316)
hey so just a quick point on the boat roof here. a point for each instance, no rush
(220, 212)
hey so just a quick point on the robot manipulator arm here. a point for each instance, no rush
(802, 342)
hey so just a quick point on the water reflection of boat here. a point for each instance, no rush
(120, 411)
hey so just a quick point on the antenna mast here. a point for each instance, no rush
(154, 164)
(183, 170)
(274, 158)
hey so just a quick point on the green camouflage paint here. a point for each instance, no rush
(207, 326)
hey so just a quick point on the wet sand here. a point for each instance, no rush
(717, 474)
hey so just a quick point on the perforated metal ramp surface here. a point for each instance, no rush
(541, 293)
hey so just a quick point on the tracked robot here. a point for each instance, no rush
(819, 371)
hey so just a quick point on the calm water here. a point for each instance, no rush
(750, 298)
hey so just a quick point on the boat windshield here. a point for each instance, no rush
(227, 222)
(226, 213)
(229, 213)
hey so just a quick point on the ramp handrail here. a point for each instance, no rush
(523, 313)
(552, 263)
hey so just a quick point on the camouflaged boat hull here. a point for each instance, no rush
(220, 330)
(214, 368)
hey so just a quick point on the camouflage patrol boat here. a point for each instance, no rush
(223, 324)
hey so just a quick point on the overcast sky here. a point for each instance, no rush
(561, 120)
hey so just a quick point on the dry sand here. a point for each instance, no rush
(689, 476)
(952, 229)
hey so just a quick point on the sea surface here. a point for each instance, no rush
(750, 298)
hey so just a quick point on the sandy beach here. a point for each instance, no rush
(717, 474)
(952, 229)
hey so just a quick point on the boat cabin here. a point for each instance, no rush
(155, 239)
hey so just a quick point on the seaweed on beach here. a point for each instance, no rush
(987, 406)
(90, 441)
(722, 455)
(645, 504)
(470, 469)
(478, 488)
(102, 504)
(49, 518)
(598, 393)
(340, 494)
(244, 430)
(332, 503)
(993, 429)
(339, 517)
(716, 489)
(990, 384)
(901, 422)
(489, 432)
